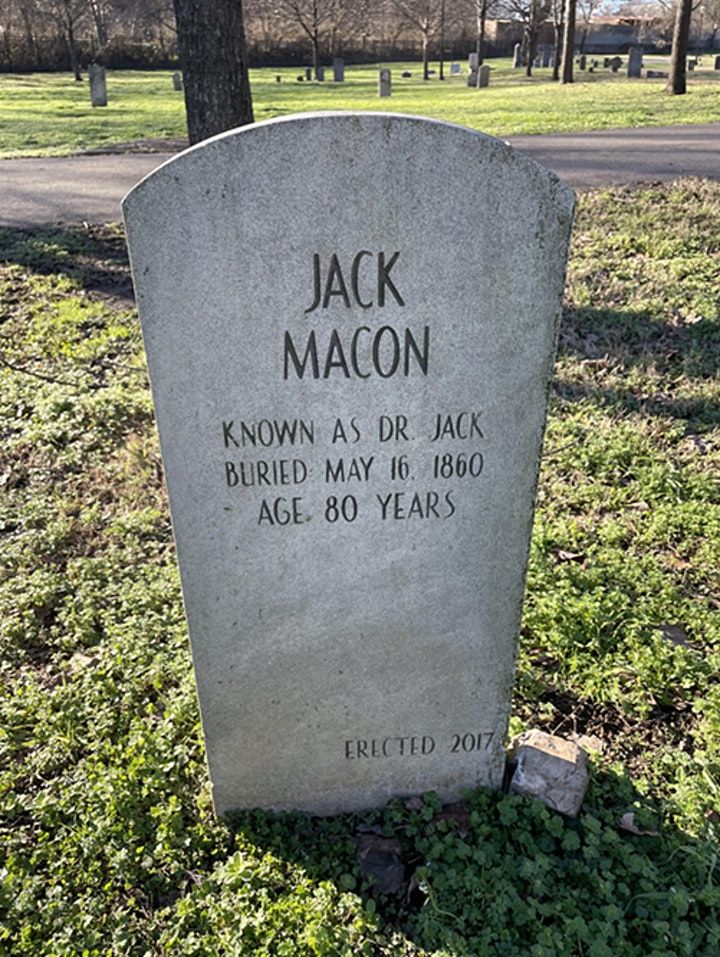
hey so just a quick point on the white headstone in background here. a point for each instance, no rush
(351, 412)
(473, 60)
(98, 85)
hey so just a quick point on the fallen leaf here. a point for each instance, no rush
(564, 556)
(379, 859)
(675, 634)
(627, 823)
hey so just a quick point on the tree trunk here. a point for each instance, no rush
(676, 84)
(316, 55)
(480, 41)
(100, 26)
(558, 49)
(425, 65)
(442, 39)
(72, 51)
(530, 43)
(568, 53)
(211, 43)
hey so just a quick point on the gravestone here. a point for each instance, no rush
(320, 74)
(606, 62)
(177, 80)
(483, 77)
(615, 64)
(656, 75)
(473, 62)
(308, 73)
(582, 62)
(635, 61)
(455, 69)
(717, 62)
(98, 85)
(338, 70)
(472, 79)
(406, 74)
(517, 56)
(351, 421)
(385, 83)
(278, 78)
(691, 63)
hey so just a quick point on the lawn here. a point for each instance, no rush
(108, 842)
(50, 114)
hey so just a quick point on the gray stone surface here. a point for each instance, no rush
(177, 80)
(517, 56)
(550, 769)
(384, 83)
(353, 613)
(308, 73)
(483, 76)
(455, 69)
(472, 78)
(320, 76)
(635, 62)
(338, 70)
(98, 85)
(473, 61)
(582, 62)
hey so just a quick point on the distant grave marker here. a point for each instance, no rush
(635, 62)
(351, 419)
(517, 56)
(483, 77)
(98, 85)
(385, 83)
(338, 70)
(177, 80)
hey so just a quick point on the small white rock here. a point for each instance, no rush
(550, 769)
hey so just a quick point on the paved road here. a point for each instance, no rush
(89, 188)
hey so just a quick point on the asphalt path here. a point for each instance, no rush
(88, 188)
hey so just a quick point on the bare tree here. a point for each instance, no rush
(311, 16)
(483, 9)
(569, 41)
(211, 39)
(677, 81)
(532, 14)
(558, 17)
(98, 12)
(69, 16)
(587, 10)
(424, 16)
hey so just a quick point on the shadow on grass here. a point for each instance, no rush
(614, 344)
(502, 875)
(94, 256)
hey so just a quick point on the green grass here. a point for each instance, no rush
(49, 114)
(108, 842)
